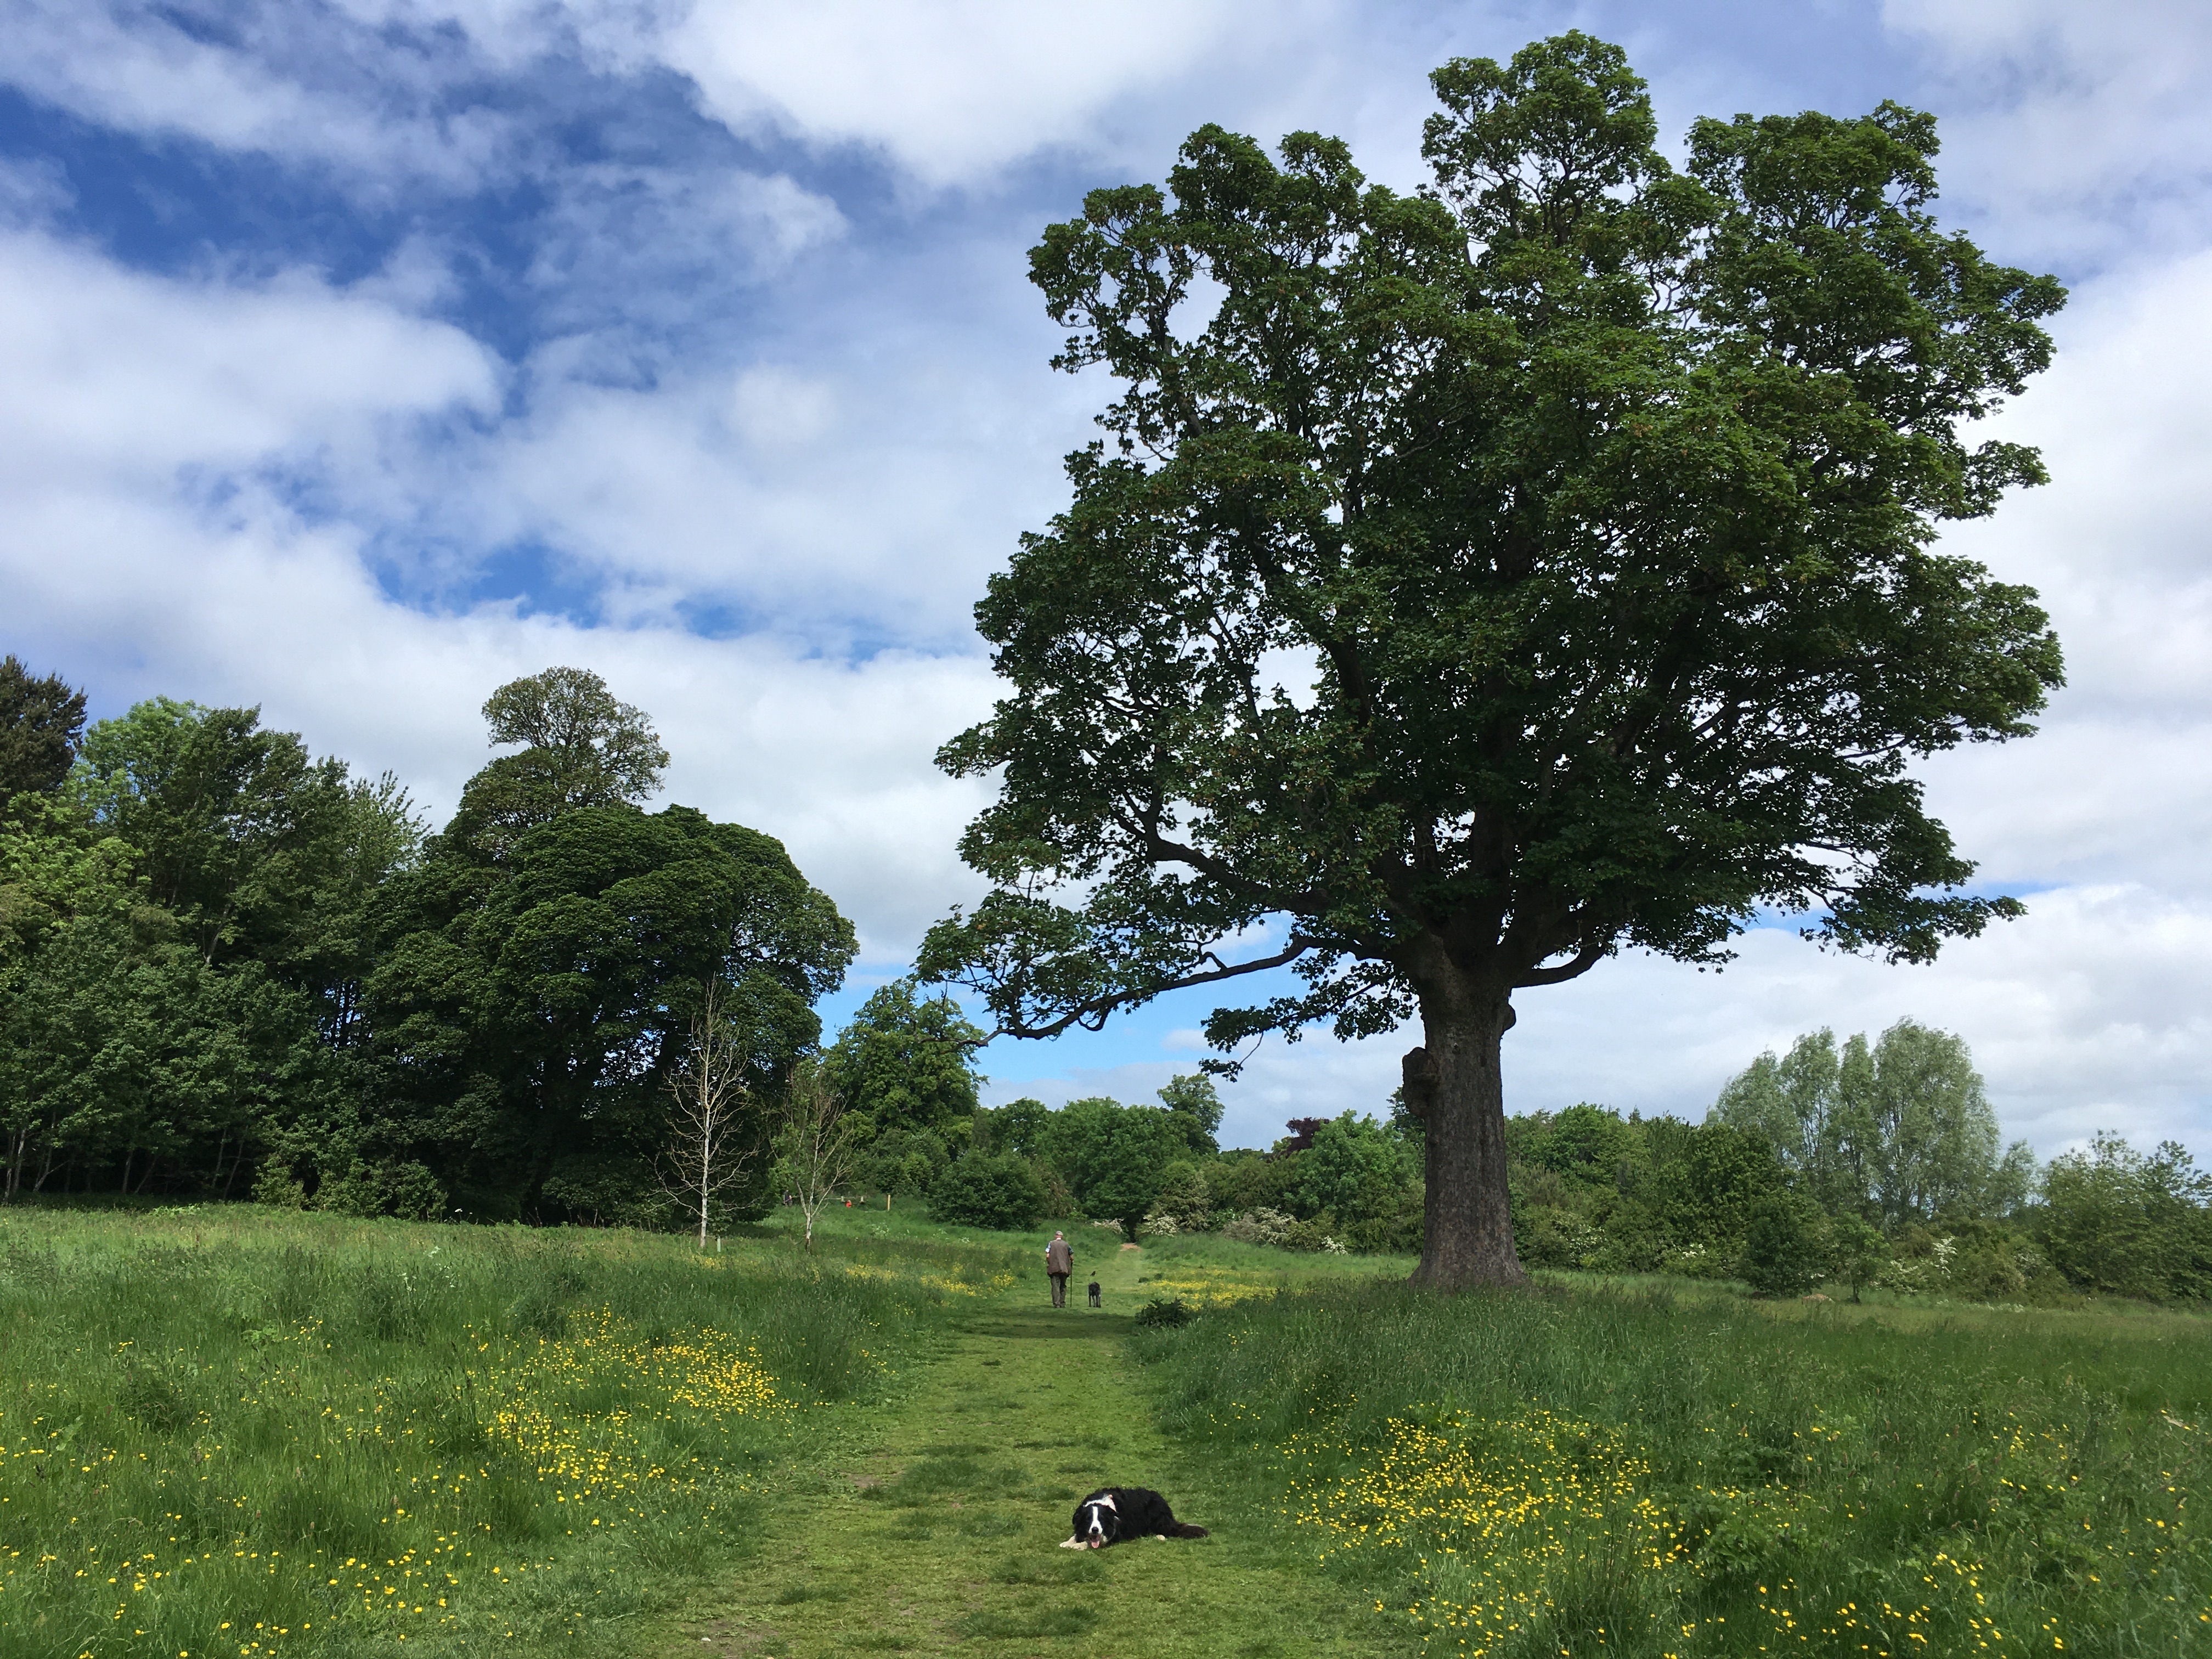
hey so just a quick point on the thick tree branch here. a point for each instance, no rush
(1092, 1013)
(1585, 959)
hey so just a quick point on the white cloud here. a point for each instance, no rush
(2082, 127)
(150, 433)
(2118, 784)
(32, 191)
(257, 81)
(772, 407)
(110, 374)
(950, 88)
(660, 237)
(866, 498)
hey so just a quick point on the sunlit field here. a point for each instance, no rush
(1204, 1270)
(1589, 1469)
(242, 1432)
(239, 1431)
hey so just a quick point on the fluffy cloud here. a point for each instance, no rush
(762, 381)
(156, 438)
(263, 78)
(111, 376)
(2084, 128)
(950, 88)
(947, 89)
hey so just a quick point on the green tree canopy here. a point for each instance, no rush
(906, 1062)
(1195, 1105)
(529, 1010)
(581, 747)
(1113, 1157)
(988, 1190)
(1902, 1131)
(1351, 1169)
(1583, 1143)
(40, 720)
(230, 820)
(1019, 1126)
(260, 851)
(2130, 1223)
(1478, 581)
(122, 1047)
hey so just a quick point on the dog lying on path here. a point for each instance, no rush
(1115, 1513)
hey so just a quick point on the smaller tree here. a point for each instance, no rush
(1857, 1251)
(1781, 1245)
(905, 1062)
(1018, 1127)
(707, 1147)
(40, 722)
(2127, 1223)
(814, 1145)
(1352, 1169)
(1114, 1157)
(999, 1192)
(1195, 1108)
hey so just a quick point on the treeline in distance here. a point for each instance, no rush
(230, 969)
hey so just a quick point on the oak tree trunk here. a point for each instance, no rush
(1455, 1086)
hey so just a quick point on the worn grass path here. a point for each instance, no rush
(943, 1536)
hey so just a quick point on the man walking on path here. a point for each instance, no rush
(1059, 1263)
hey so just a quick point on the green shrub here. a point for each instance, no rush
(1184, 1204)
(1165, 1311)
(980, 1190)
(407, 1190)
(1261, 1226)
(278, 1187)
(1782, 1253)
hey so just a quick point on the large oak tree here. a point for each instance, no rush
(1478, 581)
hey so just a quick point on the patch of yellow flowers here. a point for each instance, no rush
(1499, 1515)
(942, 1283)
(1210, 1289)
(581, 1407)
(540, 1400)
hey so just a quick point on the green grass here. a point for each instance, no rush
(1652, 1473)
(610, 1444)
(944, 1536)
(237, 1431)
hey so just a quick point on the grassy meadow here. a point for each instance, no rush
(243, 1431)
(246, 1431)
(1638, 1470)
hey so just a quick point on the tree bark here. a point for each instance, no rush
(1456, 1085)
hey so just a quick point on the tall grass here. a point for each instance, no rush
(237, 1432)
(1568, 1472)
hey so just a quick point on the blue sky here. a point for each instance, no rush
(355, 357)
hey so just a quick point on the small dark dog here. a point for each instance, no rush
(1115, 1513)
(1095, 1302)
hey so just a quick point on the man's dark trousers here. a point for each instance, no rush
(1059, 1289)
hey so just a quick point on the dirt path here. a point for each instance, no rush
(946, 1534)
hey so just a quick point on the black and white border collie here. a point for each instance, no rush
(1114, 1513)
